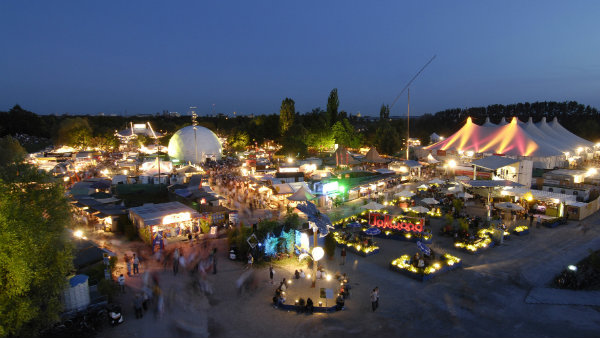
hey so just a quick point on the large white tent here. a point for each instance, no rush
(544, 144)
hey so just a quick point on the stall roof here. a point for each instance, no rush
(153, 211)
(494, 162)
(541, 194)
(412, 164)
(492, 183)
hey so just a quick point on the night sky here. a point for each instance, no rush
(246, 56)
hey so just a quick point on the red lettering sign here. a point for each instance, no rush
(387, 222)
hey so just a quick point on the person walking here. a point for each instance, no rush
(121, 281)
(530, 220)
(373, 300)
(128, 264)
(538, 221)
(136, 264)
(343, 255)
(271, 273)
(176, 262)
(376, 297)
(250, 261)
(214, 261)
(137, 306)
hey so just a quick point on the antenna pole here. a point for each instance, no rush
(408, 127)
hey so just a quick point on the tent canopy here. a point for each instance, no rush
(513, 139)
(301, 195)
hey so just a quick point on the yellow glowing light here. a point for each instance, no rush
(452, 164)
(78, 234)
(328, 277)
(592, 171)
(176, 218)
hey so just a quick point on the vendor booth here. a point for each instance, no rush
(166, 221)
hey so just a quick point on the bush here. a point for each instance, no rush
(204, 226)
(144, 235)
(330, 245)
(107, 288)
(463, 224)
(449, 219)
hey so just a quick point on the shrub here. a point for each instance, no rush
(330, 245)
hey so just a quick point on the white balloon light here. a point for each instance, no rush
(317, 253)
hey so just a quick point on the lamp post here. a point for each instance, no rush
(317, 252)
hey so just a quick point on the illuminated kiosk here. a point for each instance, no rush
(195, 144)
(165, 221)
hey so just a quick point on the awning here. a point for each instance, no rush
(494, 162)
(492, 183)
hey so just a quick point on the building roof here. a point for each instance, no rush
(494, 162)
(153, 211)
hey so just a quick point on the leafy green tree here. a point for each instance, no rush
(320, 140)
(294, 141)
(238, 140)
(144, 140)
(287, 112)
(11, 151)
(75, 132)
(344, 134)
(106, 142)
(387, 139)
(35, 253)
(333, 104)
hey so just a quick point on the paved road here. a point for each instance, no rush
(484, 299)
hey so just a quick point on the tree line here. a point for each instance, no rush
(298, 133)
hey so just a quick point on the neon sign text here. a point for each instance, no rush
(387, 222)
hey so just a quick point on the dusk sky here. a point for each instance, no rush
(246, 56)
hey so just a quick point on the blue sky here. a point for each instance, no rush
(246, 56)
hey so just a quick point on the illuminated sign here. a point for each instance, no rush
(176, 218)
(331, 187)
(387, 222)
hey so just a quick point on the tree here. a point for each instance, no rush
(384, 112)
(238, 140)
(287, 112)
(344, 134)
(75, 132)
(11, 151)
(35, 254)
(387, 139)
(333, 104)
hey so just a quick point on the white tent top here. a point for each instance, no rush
(405, 193)
(423, 186)
(513, 139)
(431, 159)
(419, 209)
(436, 181)
(464, 195)
(373, 206)
(301, 195)
(430, 200)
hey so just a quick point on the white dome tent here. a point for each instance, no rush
(195, 144)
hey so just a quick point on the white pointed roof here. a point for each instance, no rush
(544, 138)
(575, 140)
